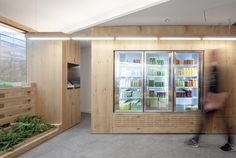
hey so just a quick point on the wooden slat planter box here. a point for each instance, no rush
(15, 102)
(29, 143)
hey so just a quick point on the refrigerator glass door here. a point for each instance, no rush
(128, 81)
(157, 96)
(187, 81)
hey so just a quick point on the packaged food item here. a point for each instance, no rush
(185, 62)
(151, 83)
(156, 84)
(128, 93)
(177, 62)
(151, 93)
(153, 103)
(124, 105)
(192, 62)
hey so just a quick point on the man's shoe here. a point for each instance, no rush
(192, 142)
(227, 147)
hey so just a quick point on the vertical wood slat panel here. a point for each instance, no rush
(102, 114)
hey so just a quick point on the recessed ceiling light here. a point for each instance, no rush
(167, 20)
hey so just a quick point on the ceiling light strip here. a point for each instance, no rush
(48, 38)
(220, 38)
(180, 38)
(137, 38)
(92, 38)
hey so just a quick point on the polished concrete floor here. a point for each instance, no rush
(77, 142)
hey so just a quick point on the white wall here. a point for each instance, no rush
(85, 85)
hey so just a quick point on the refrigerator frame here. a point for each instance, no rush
(116, 59)
(171, 80)
(170, 83)
(200, 79)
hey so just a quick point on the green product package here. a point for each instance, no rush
(124, 106)
(156, 84)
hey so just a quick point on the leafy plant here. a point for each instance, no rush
(25, 127)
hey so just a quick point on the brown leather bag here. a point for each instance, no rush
(215, 101)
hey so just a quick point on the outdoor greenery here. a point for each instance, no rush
(25, 127)
(4, 84)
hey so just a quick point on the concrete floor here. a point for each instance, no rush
(77, 142)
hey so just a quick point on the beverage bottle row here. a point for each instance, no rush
(186, 62)
(155, 61)
(152, 83)
(187, 72)
(189, 83)
(153, 72)
(183, 94)
(158, 94)
(134, 60)
(130, 83)
(130, 72)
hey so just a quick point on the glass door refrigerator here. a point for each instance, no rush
(187, 80)
(128, 81)
(158, 85)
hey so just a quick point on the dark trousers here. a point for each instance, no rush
(204, 122)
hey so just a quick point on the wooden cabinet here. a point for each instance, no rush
(72, 114)
(47, 66)
(72, 49)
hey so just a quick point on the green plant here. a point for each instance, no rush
(25, 127)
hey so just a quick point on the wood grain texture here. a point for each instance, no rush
(164, 31)
(71, 97)
(47, 66)
(15, 24)
(103, 118)
(73, 52)
(44, 67)
(16, 102)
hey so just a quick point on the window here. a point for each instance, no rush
(12, 57)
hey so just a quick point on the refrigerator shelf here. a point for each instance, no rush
(186, 97)
(156, 87)
(156, 98)
(157, 66)
(130, 77)
(127, 98)
(188, 87)
(186, 76)
(182, 65)
(149, 76)
(131, 87)
(130, 64)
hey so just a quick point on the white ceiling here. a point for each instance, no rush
(75, 15)
(182, 12)
(69, 15)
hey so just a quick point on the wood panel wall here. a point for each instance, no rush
(103, 118)
(44, 67)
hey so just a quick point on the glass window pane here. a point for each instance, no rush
(12, 57)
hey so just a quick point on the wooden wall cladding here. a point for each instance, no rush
(103, 118)
(44, 67)
(155, 123)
